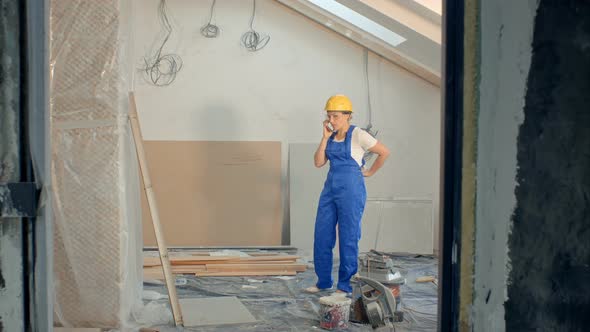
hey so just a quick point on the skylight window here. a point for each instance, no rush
(359, 21)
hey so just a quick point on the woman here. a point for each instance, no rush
(343, 198)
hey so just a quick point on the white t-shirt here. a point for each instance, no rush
(361, 141)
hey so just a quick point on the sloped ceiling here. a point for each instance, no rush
(417, 24)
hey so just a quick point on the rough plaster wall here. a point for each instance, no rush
(549, 245)
(11, 287)
(506, 36)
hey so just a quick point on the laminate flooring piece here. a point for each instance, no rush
(214, 311)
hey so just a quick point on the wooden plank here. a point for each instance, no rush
(181, 269)
(262, 262)
(158, 274)
(187, 263)
(264, 254)
(245, 273)
(153, 210)
(190, 269)
(187, 269)
(183, 260)
(191, 260)
(425, 279)
(267, 258)
(256, 267)
(154, 275)
(203, 258)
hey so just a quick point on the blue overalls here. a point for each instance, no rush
(342, 203)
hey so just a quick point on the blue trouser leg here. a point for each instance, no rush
(350, 212)
(349, 235)
(324, 239)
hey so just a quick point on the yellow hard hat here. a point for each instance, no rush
(339, 103)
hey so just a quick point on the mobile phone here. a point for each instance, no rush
(330, 127)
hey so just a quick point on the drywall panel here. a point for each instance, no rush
(400, 226)
(215, 193)
(370, 226)
(305, 186)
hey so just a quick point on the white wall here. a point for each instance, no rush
(224, 92)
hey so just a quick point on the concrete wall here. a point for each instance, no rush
(11, 251)
(532, 189)
(224, 92)
(505, 53)
(549, 243)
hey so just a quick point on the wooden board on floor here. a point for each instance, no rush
(256, 267)
(267, 258)
(215, 193)
(225, 265)
(201, 260)
(245, 273)
(259, 262)
(149, 275)
(188, 260)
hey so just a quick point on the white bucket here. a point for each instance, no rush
(334, 312)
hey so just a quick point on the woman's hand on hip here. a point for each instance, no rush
(367, 173)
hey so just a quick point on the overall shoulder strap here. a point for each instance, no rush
(349, 132)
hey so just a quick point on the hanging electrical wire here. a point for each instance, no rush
(210, 30)
(369, 128)
(366, 72)
(161, 69)
(252, 40)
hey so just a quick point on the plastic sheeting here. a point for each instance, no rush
(97, 235)
(279, 303)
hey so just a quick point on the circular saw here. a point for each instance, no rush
(375, 303)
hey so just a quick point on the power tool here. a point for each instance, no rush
(373, 303)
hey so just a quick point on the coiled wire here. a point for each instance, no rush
(252, 40)
(161, 69)
(210, 30)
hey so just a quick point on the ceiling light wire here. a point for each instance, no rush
(210, 30)
(369, 128)
(252, 40)
(161, 69)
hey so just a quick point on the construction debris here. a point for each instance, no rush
(379, 267)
